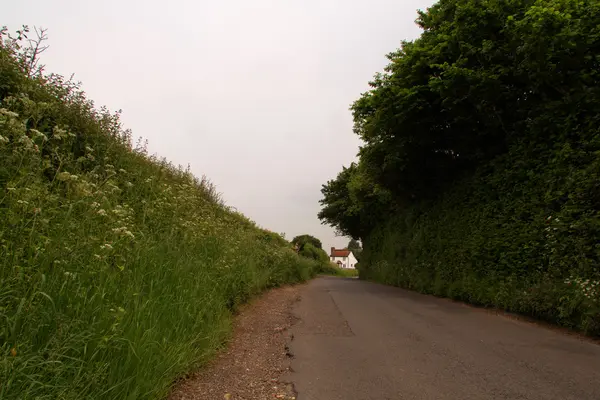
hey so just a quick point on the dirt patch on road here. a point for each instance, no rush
(256, 357)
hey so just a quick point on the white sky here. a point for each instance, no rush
(253, 94)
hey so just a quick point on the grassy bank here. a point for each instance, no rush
(118, 271)
(331, 269)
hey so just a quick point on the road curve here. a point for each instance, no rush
(357, 340)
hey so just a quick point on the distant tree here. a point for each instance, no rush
(310, 251)
(302, 240)
(353, 244)
(355, 248)
(353, 203)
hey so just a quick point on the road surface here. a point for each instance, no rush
(357, 341)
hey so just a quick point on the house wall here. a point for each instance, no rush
(349, 263)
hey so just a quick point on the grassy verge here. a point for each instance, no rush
(330, 269)
(118, 271)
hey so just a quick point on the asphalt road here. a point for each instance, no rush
(357, 340)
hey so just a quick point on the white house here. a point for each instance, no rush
(343, 258)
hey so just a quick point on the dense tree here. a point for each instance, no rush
(353, 203)
(337, 205)
(475, 135)
(302, 240)
(315, 253)
(354, 246)
(480, 77)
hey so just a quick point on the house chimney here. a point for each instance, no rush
(332, 251)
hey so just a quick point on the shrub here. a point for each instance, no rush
(334, 270)
(309, 251)
(502, 239)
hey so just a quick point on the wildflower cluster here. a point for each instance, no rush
(590, 289)
(115, 262)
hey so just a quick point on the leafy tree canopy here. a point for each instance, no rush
(302, 240)
(354, 245)
(312, 252)
(482, 77)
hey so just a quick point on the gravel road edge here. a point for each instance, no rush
(254, 360)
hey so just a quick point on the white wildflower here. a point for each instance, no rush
(37, 134)
(26, 141)
(129, 184)
(3, 139)
(123, 231)
(4, 111)
(101, 212)
(97, 256)
(11, 189)
(58, 134)
(24, 202)
(122, 171)
(106, 246)
(95, 205)
(63, 176)
(114, 189)
(89, 149)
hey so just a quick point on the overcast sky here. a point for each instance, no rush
(255, 94)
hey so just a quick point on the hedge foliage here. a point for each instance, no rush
(479, 174)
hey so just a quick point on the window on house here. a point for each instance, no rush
(344, 258)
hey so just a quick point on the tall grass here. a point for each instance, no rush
(333, 270)
(118, 271)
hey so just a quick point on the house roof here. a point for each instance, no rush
(339, 252)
